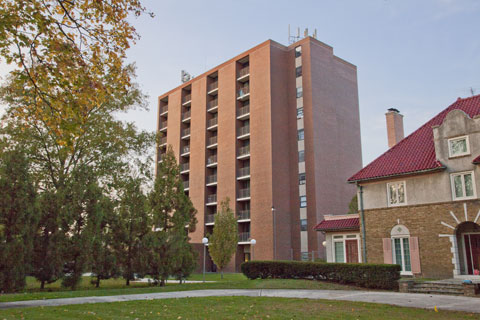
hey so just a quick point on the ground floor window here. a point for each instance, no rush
(401, 254)
(346, 248)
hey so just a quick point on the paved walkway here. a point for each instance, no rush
(425, 301)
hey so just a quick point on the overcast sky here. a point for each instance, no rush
(417, 56)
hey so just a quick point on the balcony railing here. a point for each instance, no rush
(243, 236)
(243, 91)
(186, 115)
(212, 140)
(212, 159)
(212, 198)
(184, 166)
(186, 184)
(243, 151)
(163, 140)
(185, 132)
(210, 218)
(211, 178)
(185, 149)
(244, 71)
(187, 97)
(163, 109)
(212, 122)
(163, 125)
(243, 130)
(244, 193)
(243, 110)
(243, 215)
(212, 104)
(242, 172)
(212, 86)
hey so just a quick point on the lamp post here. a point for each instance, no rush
(274, 235)
(252, 244)
(205, 243)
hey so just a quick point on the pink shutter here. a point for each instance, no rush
(387, 251)
(415, 255)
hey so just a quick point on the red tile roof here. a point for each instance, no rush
(476, 160)
(339, 224)
(415, 153)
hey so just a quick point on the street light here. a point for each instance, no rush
(205, 243)
(252, 244)
(274, 235)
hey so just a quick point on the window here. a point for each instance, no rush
(299, 113)
(298, 51)
(463, 185)
(396, 193)
(400, 237)
(301, 134)
(299, 92)
(345, 248)
(298, 71)
(303, 224)
(339, 251)
(302, 178)
(303, 201)
(301, 156)
(458, 146)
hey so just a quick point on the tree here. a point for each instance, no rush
(224, 239)
(353, 205)
(173, 215)
(18, 216)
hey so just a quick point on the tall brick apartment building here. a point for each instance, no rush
(275, 129)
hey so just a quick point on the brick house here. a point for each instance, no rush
(418, 202)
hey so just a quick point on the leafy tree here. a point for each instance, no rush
(173, 215)
(17, 219)
(224, 239)
(353, 205)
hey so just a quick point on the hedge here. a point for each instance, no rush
(380, 276)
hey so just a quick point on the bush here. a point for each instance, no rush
(380, 276)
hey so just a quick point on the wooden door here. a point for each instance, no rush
(472, 246)
(352, 250)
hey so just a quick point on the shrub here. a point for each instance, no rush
(380, 276)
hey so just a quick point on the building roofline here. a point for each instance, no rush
(411, 173)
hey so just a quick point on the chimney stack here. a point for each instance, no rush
(394, 126)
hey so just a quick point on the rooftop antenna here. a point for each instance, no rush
(315, 34)
(472, 91)
(293, 38)
(305, 33)
(185, 76)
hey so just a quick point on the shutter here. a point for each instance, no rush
(387, 251)
(415, 255)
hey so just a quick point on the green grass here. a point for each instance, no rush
(113, 287)
(231, 308)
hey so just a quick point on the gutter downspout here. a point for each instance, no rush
(362, 218)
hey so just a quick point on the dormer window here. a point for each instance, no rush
(459, 146)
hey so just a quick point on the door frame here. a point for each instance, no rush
(463, 234)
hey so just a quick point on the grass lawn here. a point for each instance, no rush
(231, 308)
(117, 287)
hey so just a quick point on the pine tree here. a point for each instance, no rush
(224, 239)
(17, 219)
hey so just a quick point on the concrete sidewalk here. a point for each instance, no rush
(424, 301)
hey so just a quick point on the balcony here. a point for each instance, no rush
(163, 110)
(243, 173)
(184, 167)
(163, 126)
(243, 93)
(212, 105)
(243, 132)
(212, 161)
(244, 74)
(244, 237)
(211, 180)
(186, 133)
(210, 219)
(243, 194)
(243, 152)
(243, 215)
(162, 142)
(213, 88)
(243, 112)
(186, 116)
(187, 100)
(212, 142)
(211, 200)
(185, 151)
(186, 185)
(212, 123)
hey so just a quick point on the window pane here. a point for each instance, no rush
(468, 185)
(302, 178)
(299, 113)
(301, 134)
(301, 156)
(298, 52)
(393, 193)
(458, 146)
(339, 252)
(299, 92)
(406, 254)
(298, 72)
(401, 193)
(457, 180)
(398, 252)
(303, 225)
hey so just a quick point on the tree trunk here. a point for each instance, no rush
(42, 285)
(128, 282)
(97, 284)
(221, 273)
(162, 283)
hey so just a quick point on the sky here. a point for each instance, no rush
(417, 56)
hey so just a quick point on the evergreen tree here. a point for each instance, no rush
(223, 241)
(17, 219)
(353, 205)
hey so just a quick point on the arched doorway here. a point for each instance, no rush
(468, 240)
